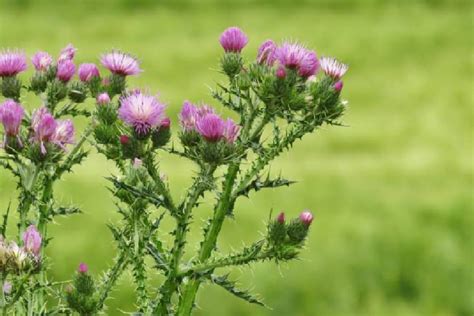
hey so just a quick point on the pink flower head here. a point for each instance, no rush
(141, 111)
(12, 62)
(211, 127)
(67, 53)
(41, 61)
(32, 240)
(266, 53)
(338, 86)
(233, 40)
(83, 268)
(66, 70)
(11, 115)
(306, 217)
(190, 114)
(103, 98)
(87, 72)
(296, 56)
(64, 133)
(333, 68)
(281, 218)
(44, 127)
(231, 131)
(120, 63)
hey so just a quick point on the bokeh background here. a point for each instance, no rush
(392, 193)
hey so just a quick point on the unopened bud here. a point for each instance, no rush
(83, 268)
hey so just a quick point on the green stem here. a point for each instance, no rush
(171, 283)
(111, 277)
(187, 299)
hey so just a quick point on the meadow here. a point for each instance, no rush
(391, 192)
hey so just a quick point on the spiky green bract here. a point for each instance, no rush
(231, 64)
(11, 87)
(82, 298)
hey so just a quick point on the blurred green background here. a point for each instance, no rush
(392, 193)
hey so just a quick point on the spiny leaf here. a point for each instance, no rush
(231, 287)
(5, 221)
(63, 210)
(258, 184)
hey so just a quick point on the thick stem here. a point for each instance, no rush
(171, 283)
(187, 300)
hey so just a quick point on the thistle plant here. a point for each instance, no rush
(277, 98)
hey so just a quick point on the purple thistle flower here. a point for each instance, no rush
(296, 56)
(12, 62)
(333, 68)
(67, 53)
(44, 127)
(306, 217)
(266, 53)
(103, 98)
(32, 240)
(63, 134)
(142, 112)
(41, 60)
(187, 116)
(166, 123)
(231, 131)
(211, 127)
(233, 40)
(83, 268)
(120, 63)
(338, 86)
(66, 70)
(88, 71)
(11, 115)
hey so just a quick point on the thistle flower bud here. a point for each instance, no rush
(233, 40)
(32, 240)
(306, 218)
(41, 61)
(281, 218)
(39, 82)
(88, 71)
(162, 134)
(63, 134)
(231, 131)
(338, 86)
(66, 70)
(103, 99)
(281, 73)
(83, 268)
(137, 163)
(124, 139)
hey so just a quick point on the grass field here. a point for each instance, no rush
(392, 193)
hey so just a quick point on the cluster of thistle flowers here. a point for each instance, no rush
(44, 137)
(282, 233)
(26, 259)
(284, 75)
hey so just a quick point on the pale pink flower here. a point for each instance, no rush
(41, 60)
(120, 63)
(32, 240)
(88, 71)
(67, 53)
(63, 134)
(306, 217)
(141, 111)
(231, 131)
(333, 68)
(43, 125)
(266, 53)
(103, 98)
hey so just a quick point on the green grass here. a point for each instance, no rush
(392, 193)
